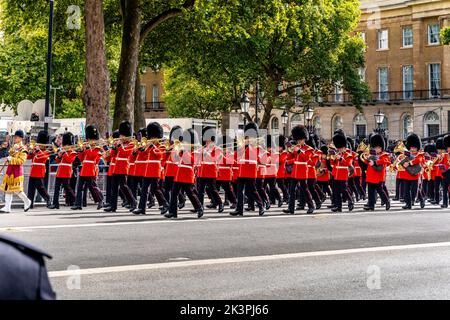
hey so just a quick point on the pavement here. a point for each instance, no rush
(399, 254)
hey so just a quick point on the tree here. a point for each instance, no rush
(96, 87)
(445, 36)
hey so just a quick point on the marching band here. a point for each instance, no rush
(250, 170)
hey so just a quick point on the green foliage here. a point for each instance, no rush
(445, 36)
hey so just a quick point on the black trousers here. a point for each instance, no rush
(374, 188)
(281, 183)
(410, 191)
(37, 184)
(133, 183)
(70, 194)
(89, 182)
(108, 189)
(259, 183)
(445, 192)
(188, 188)
(249, 186)
(213, 193)
(303, 190)
(120, 181)
(168, 186)
(151, 186)
(437, 189)
(340, 192)
(271, 183)
(228, 188)
(325, 186)
(359, 187)
(314, 193)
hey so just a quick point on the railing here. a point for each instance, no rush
(154, 106)
(388, 97)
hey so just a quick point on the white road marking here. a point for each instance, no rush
(184, 218)
(205, 262)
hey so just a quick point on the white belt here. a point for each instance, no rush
(122, 159)
(272, 165)
(296, 162)
(261, 166)
(341, 167)
(249, 161)
(154, 161)
(112, 164)
(185, 166)
(169, 162)
(88, 161)
(142, 161)
(204, 162)
(38, 164)
(235, 168)
(221, 167)
(66, 164)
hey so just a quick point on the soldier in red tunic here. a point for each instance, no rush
(376, 172)
(272, 165)
(149, 160)
(247, 158)
(322, 172)
(438, 169)
(39, 158)
(188, 157)
(111, 160)
(299, 159)
(65, 159)
(445, 162)
(225, 170)
(122, 151)
(281, 170)
(208, 169)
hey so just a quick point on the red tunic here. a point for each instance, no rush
(140, 163)
(299, 158)
(208, 164)
(263, 160)
(418, 159)
(90, 158)
(154, 162)
(186, 165)
(312, 174)
(226, 167)
(171, 167)
(38, 163)
(248, 162)
(65, 164)
(122, 154)
(272, 165)
(235, 166)
(326, 173)
(281, 172)
(340, 167)
(131, 161)
(374, 176)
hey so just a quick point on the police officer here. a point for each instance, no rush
(23, 274)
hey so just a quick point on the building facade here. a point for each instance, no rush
(152, 93)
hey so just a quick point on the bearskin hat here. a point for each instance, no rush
(208, 134)
(154, 131)
(91, 132)
(440, 144)
(324, 149)
(190, 136)
(339, 131)
(143, 132)
(67, 139)
(377, 140)
(299, 132)
(176, 133)
(116, 134)
(339, 140)
(430, 148)
(125, 129)
(447, 141)
(270, 142)
(350, 143)
(413, 140)
(282, 141)
(224, 141)
(251, 130)
(19, 133)
(42, 137)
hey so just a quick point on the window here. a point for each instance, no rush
(362, 73)
(383, 83)
(155, 96)
(338, 92)
(363, 37)
(434, 76)
(407, 37)
(383, 39)
(275, 124)
(296, 120)
(431, 122)
(385, 124)
(317, 125)
(360, 126)
(433, 33)
(298, 94)
(143, 93)
(408, 82)
(407, 125)
(338, 123)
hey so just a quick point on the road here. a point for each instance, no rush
(359, 255)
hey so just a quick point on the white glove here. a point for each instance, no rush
(9, 158)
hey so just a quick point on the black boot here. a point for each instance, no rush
(388, 205)
(351, 206)
(138, 211)
(171, 215)
(200, 212)
(181, 205)
(221, 208)
(261, 210)
(100, 205)
(336, 209)
(211, 206)
(233, 206)
(310, 211)
(165, 209)
(53, 206)
(288, 211)
(367, 208)
(76, 208)
(236, 213)
(406, 207)
(109, 209)
(280, 203)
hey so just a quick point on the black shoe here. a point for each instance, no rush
(109, 209)
(351, 206)
(388, 205)
(396, 199)
(250, 209)
(330, 206)
(150, 205)
(367, 208)
(221, 208)
(211, 206)
(100, 205)
(200, 213)
(53, 206)
(422, 204)
(318, 206)
(170, 215)
(267, 206)
(181, 205)
(300, 208)
(444, 206)
(132, 208)
(106, 205)
(124, 204)
(406, 207)
(138, 211)
(236, 213)
(363, 197)
(76, 208)
(193, 211)
(280, 203)
(382, 203)
(226, 203)
(261, 210)
(164, 209)
(233, 206)
(288, 211)
(336, 209)
(310, 211)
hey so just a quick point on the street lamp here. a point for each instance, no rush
(245, 105)
(379, 118)
(309, 114)
(49, 65)
(284, 120)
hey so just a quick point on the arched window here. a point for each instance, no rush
(296, 120)
(275, 124)
(337, 123)
(385, 124)
(407, 125)
(317, 125)
(431, 122)
(360, 126)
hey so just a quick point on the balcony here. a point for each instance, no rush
(154, 106)
(389, 97)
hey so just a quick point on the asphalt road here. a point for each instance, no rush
(359, 255)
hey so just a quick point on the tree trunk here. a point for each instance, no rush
(139, 109)
(267, 114)
(95, 92)
(129, 56)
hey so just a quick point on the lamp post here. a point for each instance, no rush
(49, 65)
(245, 105)
(284, 121)
(379, 118)
(309, 114)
